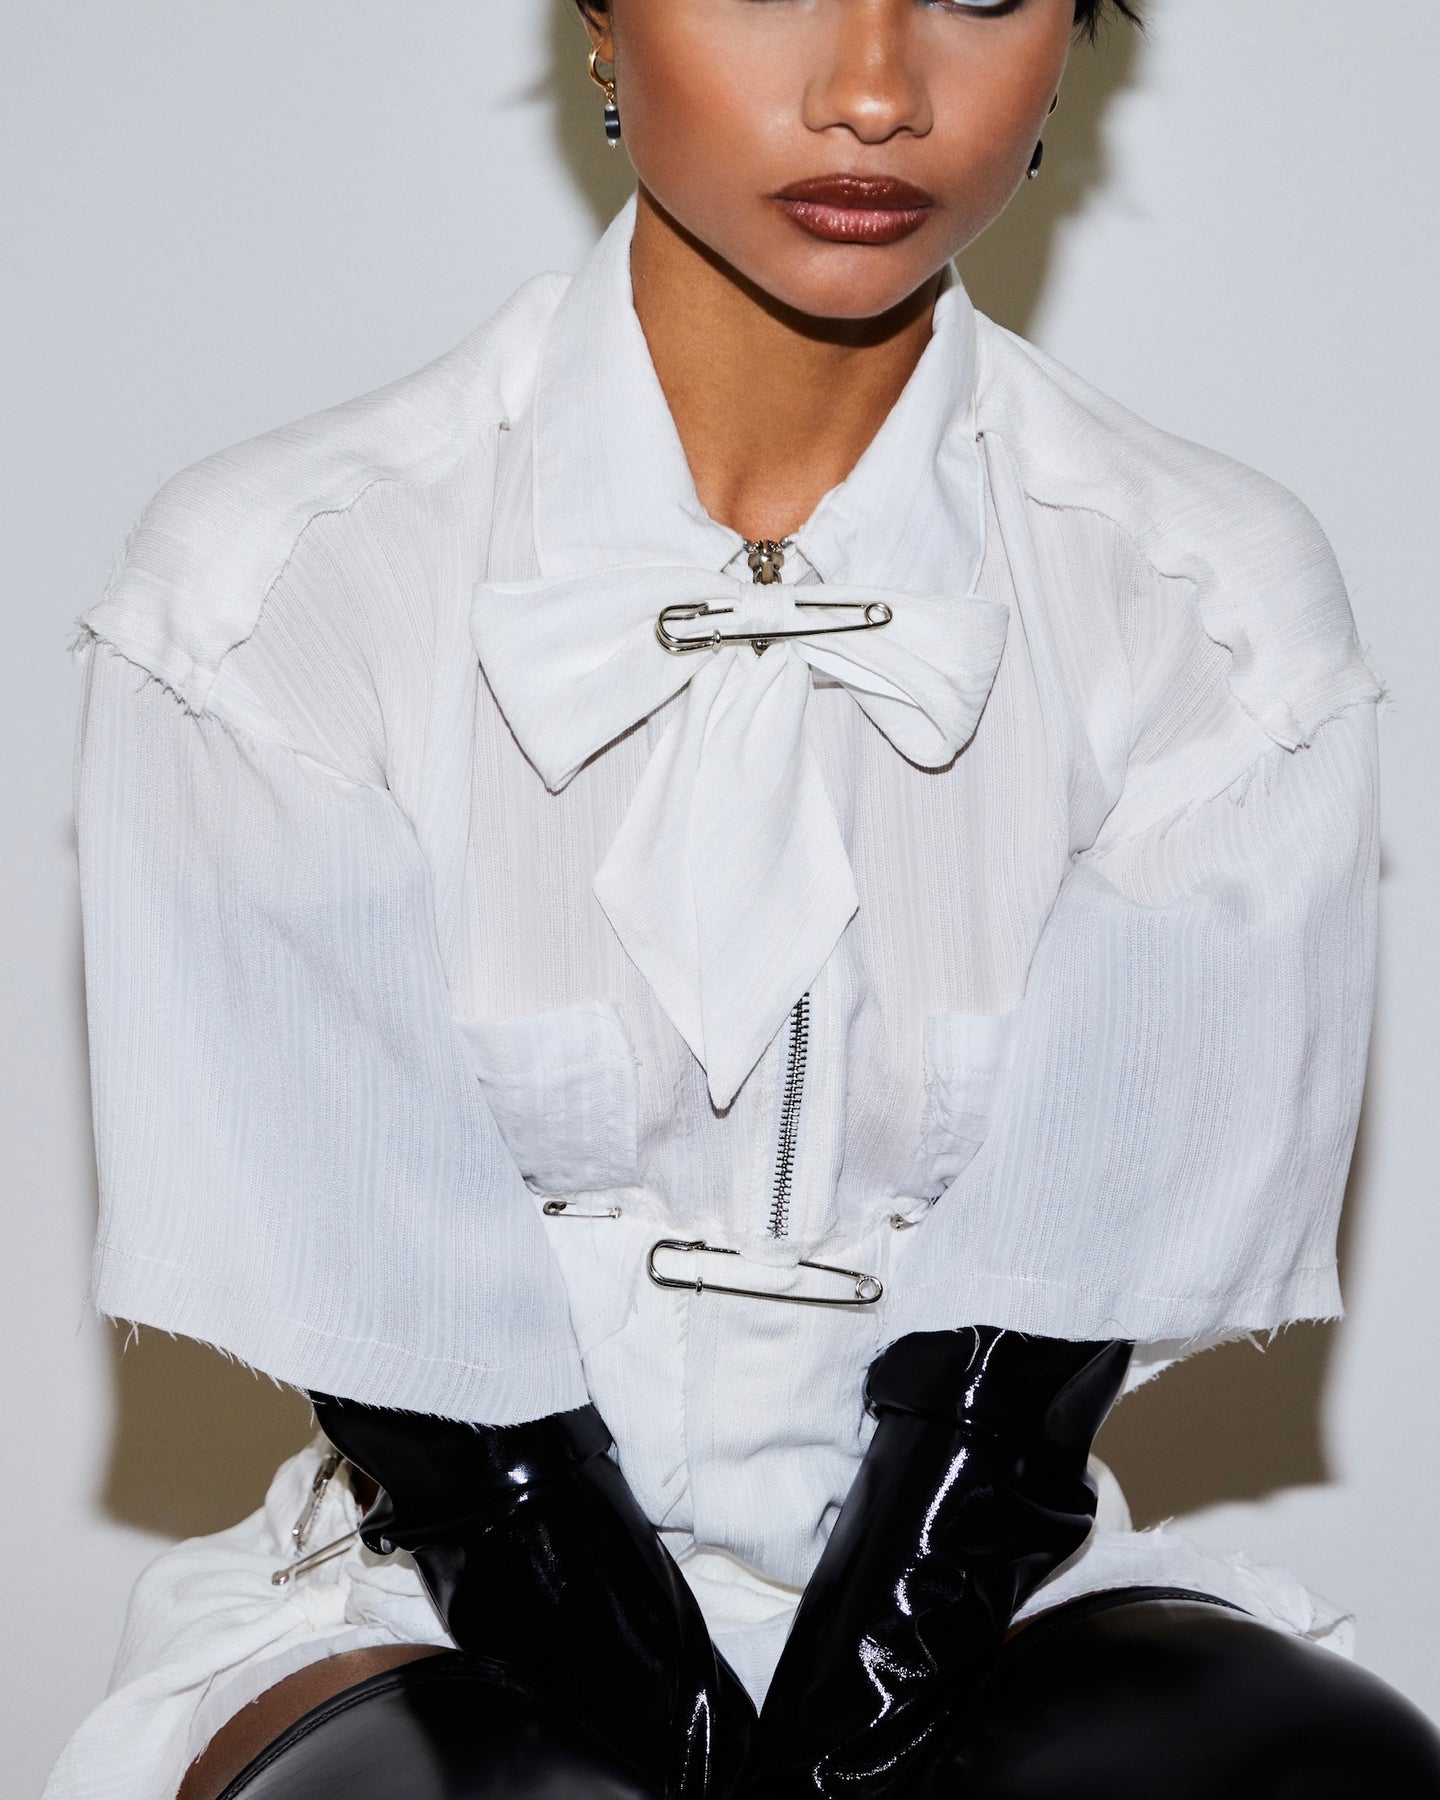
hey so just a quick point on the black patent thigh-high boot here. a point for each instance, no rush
(537, 1556)
(972, 1490)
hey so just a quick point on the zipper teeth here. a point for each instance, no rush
(790, 1116)
(774, 554)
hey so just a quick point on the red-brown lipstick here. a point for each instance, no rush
(856, 209)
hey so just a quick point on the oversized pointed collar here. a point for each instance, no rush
(729, 883)
(612, 485)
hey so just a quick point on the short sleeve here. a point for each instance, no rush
(296, 1160)
(1168, 1153)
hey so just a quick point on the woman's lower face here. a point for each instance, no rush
(1126, 1695)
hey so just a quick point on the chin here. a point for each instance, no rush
(861, 285)
(840, 282)
(846, 281)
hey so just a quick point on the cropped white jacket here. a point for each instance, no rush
(459, 956)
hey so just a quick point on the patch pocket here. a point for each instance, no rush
(967, 1056)
(562, 1086)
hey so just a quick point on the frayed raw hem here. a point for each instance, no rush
(87, 638)
(1156, 1324)
(1265, 766)
(1281, 721)
(295, 1355)
(131, 1341)
(1155, 1358)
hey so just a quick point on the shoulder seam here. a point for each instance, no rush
(203, 558)
(1264, 575)
(87, 638)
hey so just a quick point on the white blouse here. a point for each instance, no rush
(472, 979)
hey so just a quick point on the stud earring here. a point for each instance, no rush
(607, 85)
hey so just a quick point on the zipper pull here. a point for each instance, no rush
(766, 557)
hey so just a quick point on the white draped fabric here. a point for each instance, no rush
(728, 884)
(445, 934)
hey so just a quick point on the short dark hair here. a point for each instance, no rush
(1088, 13)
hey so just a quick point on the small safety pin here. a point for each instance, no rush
(326, 1553)
(324, 1475)
(566, 1209)
(868, 1288)
(876, 612)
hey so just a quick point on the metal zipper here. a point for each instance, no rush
(797, 1052)
(766, 558)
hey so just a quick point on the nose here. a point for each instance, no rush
(867, 76)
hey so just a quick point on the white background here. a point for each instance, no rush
(219, 216)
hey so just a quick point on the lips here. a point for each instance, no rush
(856, 209)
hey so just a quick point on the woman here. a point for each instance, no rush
(693, 1075)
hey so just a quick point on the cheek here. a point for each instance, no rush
(707, 131)
(989, 99)
(983, 140)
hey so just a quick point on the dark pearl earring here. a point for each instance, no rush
(607, 84)
(1039, 156)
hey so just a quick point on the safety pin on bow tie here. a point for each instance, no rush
(876, 613)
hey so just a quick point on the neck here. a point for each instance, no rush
(773, 407)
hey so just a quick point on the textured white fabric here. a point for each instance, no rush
(262, 1052)
(728, 884)
(318, 885)
(207, 1631)
(1086, 1060)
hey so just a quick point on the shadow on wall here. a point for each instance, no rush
(1234, 1424)
(197, 1438)
(1005, 270)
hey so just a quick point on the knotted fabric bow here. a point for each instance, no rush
(728, 882)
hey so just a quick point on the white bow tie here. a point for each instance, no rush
(728, 883)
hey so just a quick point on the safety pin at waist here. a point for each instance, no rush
(567, 1209)
(876, 613)
(324, 1475)
(326, 1553)
(867, 1288)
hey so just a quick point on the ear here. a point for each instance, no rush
(602, 38)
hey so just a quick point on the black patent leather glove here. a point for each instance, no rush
(972, 1490)
(537, 1555)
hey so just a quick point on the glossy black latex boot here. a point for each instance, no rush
(972, 1490)
(536, 1554)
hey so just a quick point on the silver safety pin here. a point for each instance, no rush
(324, 1475)
(567, 1209)
(876, 612)
(301, 1529)
(867, 1288)
(326, 1553)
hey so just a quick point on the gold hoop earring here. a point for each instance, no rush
(606, 83)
